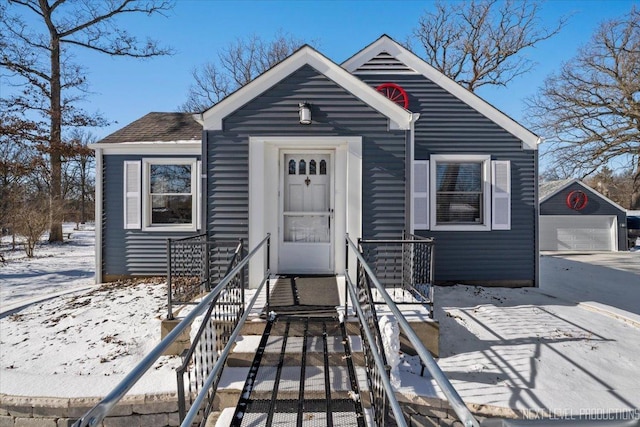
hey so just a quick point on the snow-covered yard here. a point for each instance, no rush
(572, 345)
(74, 338)
(55, 269)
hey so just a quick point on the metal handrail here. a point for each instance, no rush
(215, 372)
(95, 415)
(195, 341)
(377, 357)
(205, 249)
(407, 262)
(443, 382)
(187, 356)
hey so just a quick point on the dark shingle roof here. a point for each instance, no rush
(158, 127)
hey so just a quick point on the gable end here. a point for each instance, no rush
(385, 44)
(385, 63)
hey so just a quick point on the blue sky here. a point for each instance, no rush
(126, 89)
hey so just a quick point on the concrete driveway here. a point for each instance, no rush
(569, 347)
(604, 281)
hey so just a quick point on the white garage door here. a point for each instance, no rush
(578, 233)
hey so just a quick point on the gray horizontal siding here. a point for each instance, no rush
(128, 252)
(596, 205)
(448, 126)
(335, 112)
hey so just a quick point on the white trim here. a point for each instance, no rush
(98, 216)
(399, 118)
(150, 148)
(486, 191)
(264, 185)
(145, 194)
(529, 140)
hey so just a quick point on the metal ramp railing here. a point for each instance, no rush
(201, 405)
(384, 405)
(382, 393)
(193, 264)
(404, 267)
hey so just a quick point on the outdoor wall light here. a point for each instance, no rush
(305, 113)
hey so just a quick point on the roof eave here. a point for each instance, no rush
(188, 147)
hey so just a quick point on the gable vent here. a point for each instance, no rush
(384, 63)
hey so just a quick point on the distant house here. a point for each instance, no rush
(575, 217)
(310, 151)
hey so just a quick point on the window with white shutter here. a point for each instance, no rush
(501, 195)
(132, 195)
(171, 189)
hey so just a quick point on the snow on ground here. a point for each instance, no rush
(55, 269)
(607, 280)
(86, 338)
(570, 347)
(83, 345)
(525, 350)
(573, 344)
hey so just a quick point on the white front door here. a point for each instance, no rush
(306, 212)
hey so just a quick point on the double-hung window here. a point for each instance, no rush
(460, 191)
(168, 194)
(454, 192)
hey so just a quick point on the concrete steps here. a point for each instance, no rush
(245, 347)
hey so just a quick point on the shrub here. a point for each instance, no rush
(32, 222)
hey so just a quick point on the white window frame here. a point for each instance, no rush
(146, 194)
(485, 160)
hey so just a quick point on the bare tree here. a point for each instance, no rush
(238, 63)
(77, 174)
(19, 158)
(478, 43)
(47, 82)
(590, 110)
(617, 186)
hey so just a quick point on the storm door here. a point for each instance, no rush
(306, 212)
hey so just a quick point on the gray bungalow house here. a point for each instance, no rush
(310, 151)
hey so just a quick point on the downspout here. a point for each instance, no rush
(409, 158)
(536, 205)
(204, 161)
(98, 216)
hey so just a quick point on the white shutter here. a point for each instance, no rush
(199, 201)
(420, 195)
(500, 195)
(132, 195)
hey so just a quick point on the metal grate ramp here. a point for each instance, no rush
(316, 388)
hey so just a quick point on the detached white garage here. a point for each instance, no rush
(574, 217)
